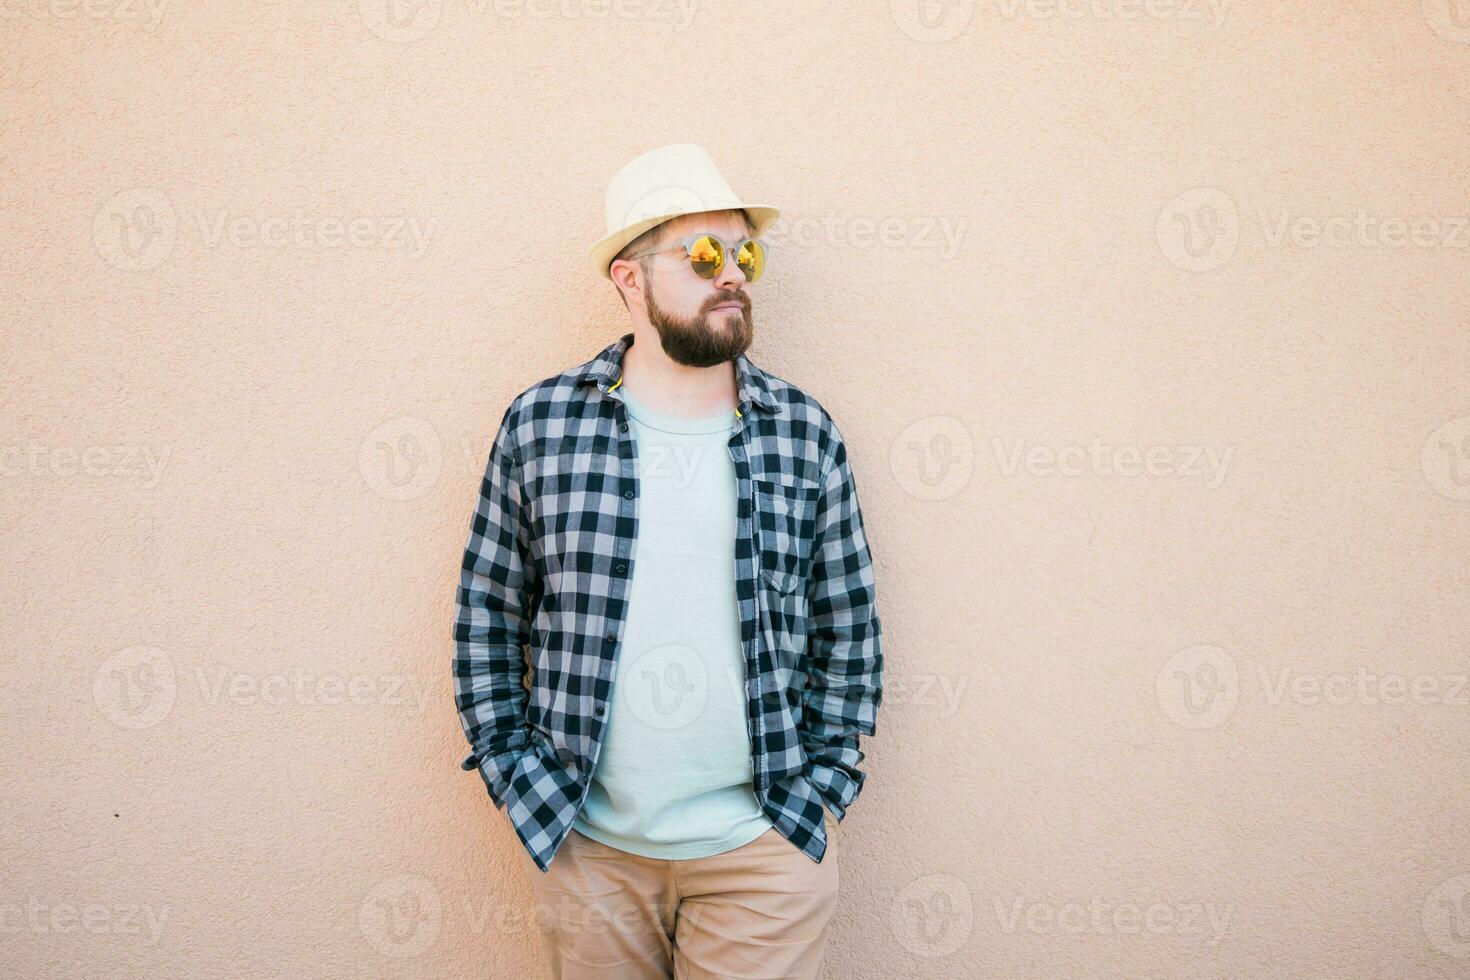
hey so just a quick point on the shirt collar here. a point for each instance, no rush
(606, 371)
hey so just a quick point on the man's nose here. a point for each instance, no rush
(731, 275)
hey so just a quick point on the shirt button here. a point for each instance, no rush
(623, 426)
(621, 568)
(628, 494)
(601, 710)
(611, 638)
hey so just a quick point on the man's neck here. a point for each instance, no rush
(676, 389)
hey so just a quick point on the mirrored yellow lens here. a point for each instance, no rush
(752, 259)
(707, 256)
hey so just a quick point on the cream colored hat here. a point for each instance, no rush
(663, 184)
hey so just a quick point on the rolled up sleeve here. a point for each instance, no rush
(492, 625)
(844, 650)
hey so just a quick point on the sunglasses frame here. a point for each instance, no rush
(687, 243)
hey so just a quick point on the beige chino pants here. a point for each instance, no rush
(759, 911)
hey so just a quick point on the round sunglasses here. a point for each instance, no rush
(706, 254)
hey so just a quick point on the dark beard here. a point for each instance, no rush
(693, 342)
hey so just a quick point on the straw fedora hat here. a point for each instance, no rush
(661, 184)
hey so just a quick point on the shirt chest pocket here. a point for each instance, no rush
(786, 522)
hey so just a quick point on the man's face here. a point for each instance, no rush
(700, 322)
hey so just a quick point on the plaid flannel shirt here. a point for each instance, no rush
(548, 564)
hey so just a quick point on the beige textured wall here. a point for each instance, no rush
(1147, 327)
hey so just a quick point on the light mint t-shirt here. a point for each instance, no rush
(674, 779)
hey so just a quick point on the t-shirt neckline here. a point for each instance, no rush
(671, 423)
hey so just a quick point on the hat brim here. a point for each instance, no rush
(606, 249)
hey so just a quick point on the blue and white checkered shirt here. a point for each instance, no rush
(548, 565)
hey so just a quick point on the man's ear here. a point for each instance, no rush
(624, 273)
